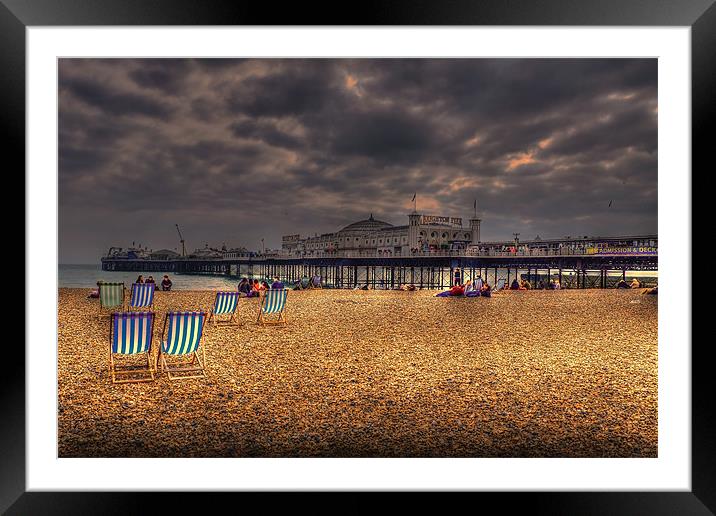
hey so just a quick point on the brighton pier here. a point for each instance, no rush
(425, 253)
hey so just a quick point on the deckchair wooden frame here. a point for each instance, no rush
(164, 366)
(215, 317)
(117, 371)
(265, 318)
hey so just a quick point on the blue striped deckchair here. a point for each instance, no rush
(130, 333)
(142, 295)
(183, 331)
(226, 303)
(111, 295)
(272, 306)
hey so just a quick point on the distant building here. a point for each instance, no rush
(372, 237)
(164, 254)
(206, 252)
(238, 252)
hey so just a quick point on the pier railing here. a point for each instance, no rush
(456, 253)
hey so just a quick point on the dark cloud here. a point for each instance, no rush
(112, 102)
(235, 150)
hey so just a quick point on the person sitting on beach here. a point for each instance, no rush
(166, 283)
(244, 286)
(455, 290)
(472, 289)
(140, 279)
(255, 289)
(276, 283)
(525, 285)
(557, 286)
(652, 291)
(485, 290)
(95, 293)
(622, 284)
(635, 283)
(515, 285)
(264, 286)
(150, 279)
(412, 288)
(540, 285)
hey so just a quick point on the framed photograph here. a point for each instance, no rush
(417, 250)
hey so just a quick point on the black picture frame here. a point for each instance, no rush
(700, 15)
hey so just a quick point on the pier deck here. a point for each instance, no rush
(424, 271)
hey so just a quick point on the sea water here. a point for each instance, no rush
(87, 276)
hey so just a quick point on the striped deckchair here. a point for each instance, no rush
(111, 295)
(130, 333)
(226, 303)
(183, 331)
(272, 306)
(142, 295)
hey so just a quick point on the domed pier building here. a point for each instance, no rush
(372, 237)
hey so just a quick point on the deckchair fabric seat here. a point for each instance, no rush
(226, 303)
(273, 303)
(183, 331)
(131, 334)
(142, 295)
(111, 295)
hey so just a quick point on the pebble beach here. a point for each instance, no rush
(570, 373)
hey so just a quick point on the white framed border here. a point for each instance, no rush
(670, 471)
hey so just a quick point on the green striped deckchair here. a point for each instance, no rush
(142, 296)
(183, 332)
(111, 295)
(130, 333)
(272, 306)
(226, 303)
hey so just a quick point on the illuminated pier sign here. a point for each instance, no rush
(436, 219)
(622, 250)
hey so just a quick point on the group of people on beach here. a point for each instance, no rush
(623, 284)
(478, 288)
(166, 283)
(253, 288)
(524, 284)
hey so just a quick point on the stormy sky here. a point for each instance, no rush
(239, 150)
